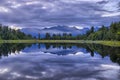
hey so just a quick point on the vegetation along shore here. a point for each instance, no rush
(106, 35)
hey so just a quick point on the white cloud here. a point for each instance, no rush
(77, 26)
(44, 13)
(111, 6)
(4, 9)
(110, 14)
(14, 27)
(32, 2)
(76, 1)
(4, 70)
(31, 77)
(79, 53)
(16, 5)
(15, 74)
(110, 72)
(107, 66)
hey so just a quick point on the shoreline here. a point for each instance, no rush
(107, 43)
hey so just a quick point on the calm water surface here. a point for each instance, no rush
(59, 62)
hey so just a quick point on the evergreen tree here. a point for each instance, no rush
(7, 33)
(39, 36)
(47, 36)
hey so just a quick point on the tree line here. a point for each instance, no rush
(104, 33)
(7, 33)
(103, 51)
(64, 36)
(8, 49)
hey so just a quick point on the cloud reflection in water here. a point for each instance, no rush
(46, 66)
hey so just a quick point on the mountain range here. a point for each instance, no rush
(54, 30)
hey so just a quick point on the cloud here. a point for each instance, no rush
(46, 13)
(4, 9)
(111, 14)
(111, 5)
(76, 1)
(41, 66)
(4, 70)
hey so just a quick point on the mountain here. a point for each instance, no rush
(57, 51)
(54, 30)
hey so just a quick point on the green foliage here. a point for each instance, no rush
(104, 33)
(7, 49)
(7, 33)
(63, 36)
(47, 36)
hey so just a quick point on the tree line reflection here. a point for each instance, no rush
(112, 52)
(103, 51)
(7, 49)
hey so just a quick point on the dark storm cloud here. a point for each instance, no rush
(45, 13)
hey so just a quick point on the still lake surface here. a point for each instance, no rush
(59, 62)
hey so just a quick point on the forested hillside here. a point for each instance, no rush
(7, 33)
(104, 33)
(111, 32)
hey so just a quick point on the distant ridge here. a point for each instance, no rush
(54, 30)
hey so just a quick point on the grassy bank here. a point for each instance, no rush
(108, 43)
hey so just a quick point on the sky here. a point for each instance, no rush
(49, 13)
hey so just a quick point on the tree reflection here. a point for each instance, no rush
(112, 52)
(6, 49)
(58, 45)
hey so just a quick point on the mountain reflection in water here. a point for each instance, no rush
(59, 62)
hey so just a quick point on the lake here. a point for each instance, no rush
(59, 62)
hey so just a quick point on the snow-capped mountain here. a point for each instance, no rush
(54, 30)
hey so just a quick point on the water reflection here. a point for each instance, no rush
(59, 62)
(7, 49)
(63, 49)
